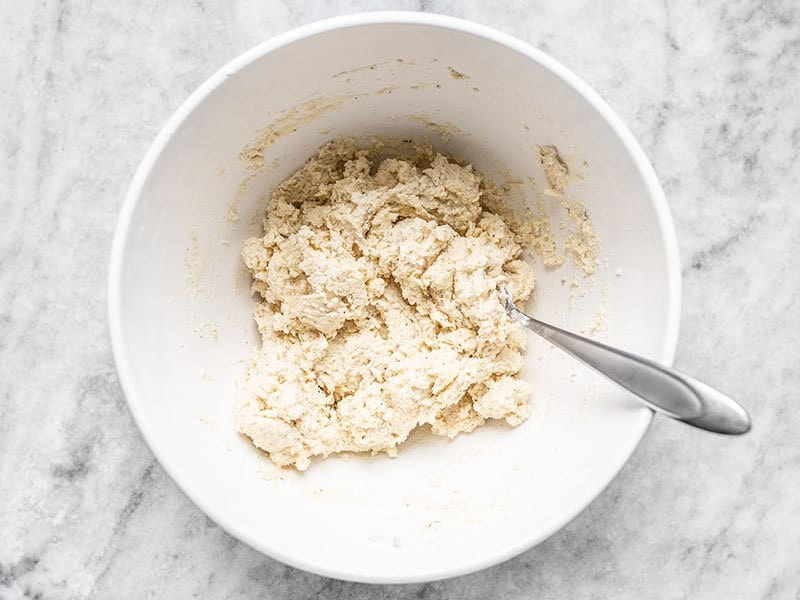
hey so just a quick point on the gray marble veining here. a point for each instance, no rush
(711, 90)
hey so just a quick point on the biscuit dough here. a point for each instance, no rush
(376, 282)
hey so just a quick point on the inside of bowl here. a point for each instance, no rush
(187, 334)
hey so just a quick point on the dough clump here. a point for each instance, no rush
(376, 280)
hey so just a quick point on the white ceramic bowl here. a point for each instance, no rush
(179, 308)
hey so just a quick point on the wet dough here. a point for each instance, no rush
(376, 280)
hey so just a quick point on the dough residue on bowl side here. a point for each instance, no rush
(581, 242)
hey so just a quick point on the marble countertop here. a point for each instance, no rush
(710, 89)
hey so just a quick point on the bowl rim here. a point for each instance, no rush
(119, 244)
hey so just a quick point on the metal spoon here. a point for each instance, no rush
(662, 389)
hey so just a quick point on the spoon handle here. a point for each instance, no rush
(664, 390)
